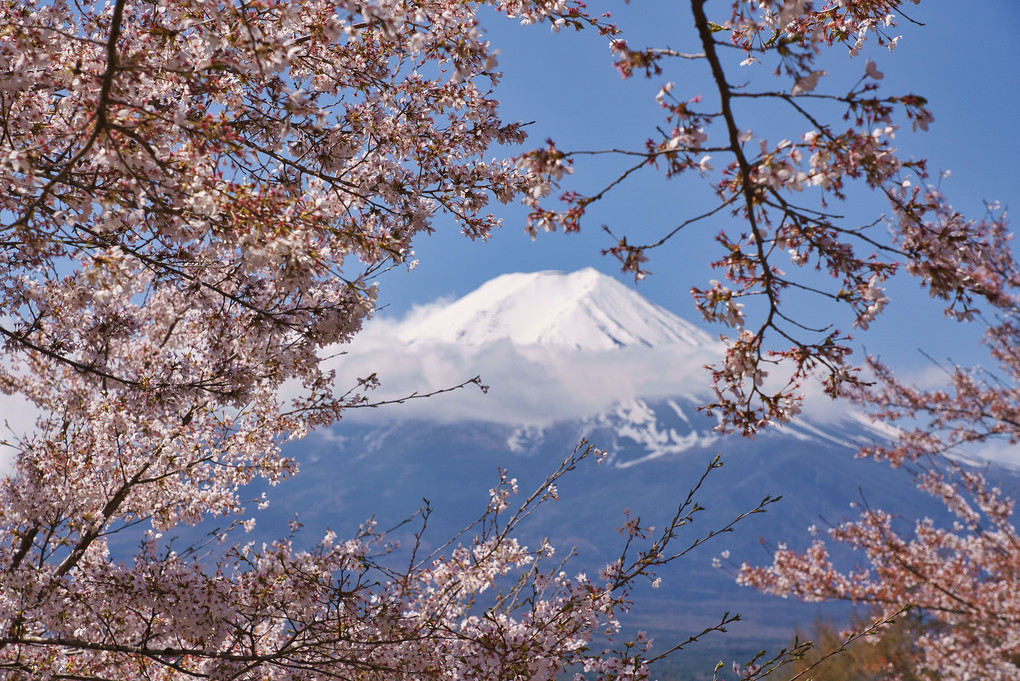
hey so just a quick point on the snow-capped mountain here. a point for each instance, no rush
(553, 346)
(585, 310)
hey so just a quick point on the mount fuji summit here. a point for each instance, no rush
(583, 310)
(580, 355)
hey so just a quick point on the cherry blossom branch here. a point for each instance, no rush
(477, 381)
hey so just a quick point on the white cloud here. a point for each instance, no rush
(529, 384)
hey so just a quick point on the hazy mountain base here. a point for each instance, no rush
(659, 450)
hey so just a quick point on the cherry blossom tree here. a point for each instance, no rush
(966, 575)
(774, 236)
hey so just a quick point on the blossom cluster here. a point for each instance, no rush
(964, 575)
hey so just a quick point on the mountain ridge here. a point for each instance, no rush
(657, 450)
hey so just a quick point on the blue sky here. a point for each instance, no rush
(966, 64)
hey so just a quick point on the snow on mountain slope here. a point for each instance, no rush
(585, 310)
(654, 435)
(636, 431)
